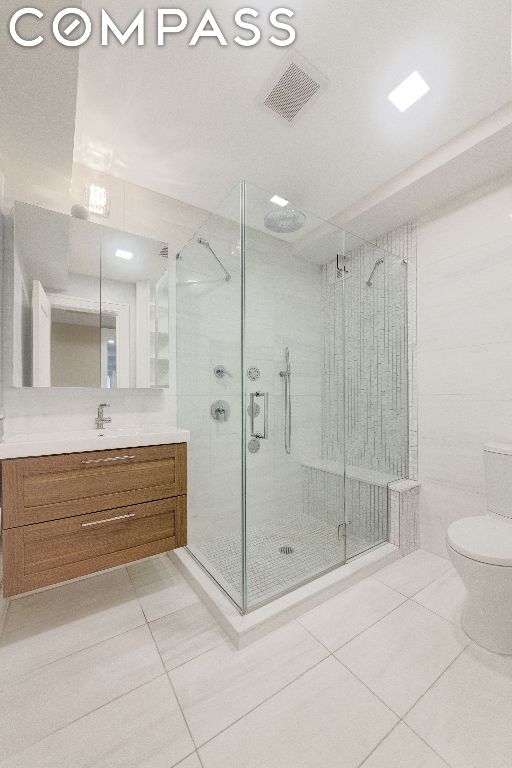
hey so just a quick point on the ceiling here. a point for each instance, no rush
(37, 110)
(186, 121)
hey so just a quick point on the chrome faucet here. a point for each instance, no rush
(101, 420)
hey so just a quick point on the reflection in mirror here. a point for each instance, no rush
(74, 349)
(134, 311)
(88, 305)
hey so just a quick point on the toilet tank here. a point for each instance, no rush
(498, 478)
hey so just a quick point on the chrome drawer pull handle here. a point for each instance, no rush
(109, 458)
(109, 520)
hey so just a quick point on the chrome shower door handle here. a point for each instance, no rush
(254, 396)
(252, 408)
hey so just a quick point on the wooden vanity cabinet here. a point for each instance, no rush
(73, 514)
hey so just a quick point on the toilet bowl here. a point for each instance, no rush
(480, 549)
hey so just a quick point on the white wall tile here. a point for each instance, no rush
(464, 357)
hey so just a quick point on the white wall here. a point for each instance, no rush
(464, 357)
(2, 212)
(133, 209)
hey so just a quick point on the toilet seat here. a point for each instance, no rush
(486, 539)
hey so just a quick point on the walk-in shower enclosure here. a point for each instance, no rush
(292, 377)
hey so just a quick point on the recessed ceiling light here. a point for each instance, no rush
(124, 254)
(279, 201)
(96, 200)
(409, 92)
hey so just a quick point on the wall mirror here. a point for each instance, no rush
(88, 305)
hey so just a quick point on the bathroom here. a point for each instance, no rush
(256, 435)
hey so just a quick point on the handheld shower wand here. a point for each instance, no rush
(286, 375)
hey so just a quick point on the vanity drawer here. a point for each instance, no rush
(48, 553)
(47, 488)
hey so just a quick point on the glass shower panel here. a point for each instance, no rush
(294, 518)
(292, 378)
(372, 307)
(208, 316)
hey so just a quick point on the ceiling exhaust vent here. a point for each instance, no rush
(297, 84)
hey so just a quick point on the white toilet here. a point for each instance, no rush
(481, 551)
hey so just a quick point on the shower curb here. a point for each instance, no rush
(245, 629)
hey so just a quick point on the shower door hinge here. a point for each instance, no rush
(341, 265)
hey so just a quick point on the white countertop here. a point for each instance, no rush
(51, 443)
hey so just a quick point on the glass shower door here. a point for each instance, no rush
(293, 498)
(209, 387)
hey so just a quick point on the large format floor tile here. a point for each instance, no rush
(445, 596)
(190, 762)
(185, 634)
(344, 616)
(49, 625)
(403, 749)
(53, 696)
(324, 719)
(466, 716)
(143, 729)
(160, 587)
(402, 655)
(221, 686)
(413, 572)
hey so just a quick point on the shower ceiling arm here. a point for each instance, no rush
(203, 241)
(375, 267)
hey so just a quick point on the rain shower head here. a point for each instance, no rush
(285, 220)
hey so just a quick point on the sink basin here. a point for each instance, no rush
(49, 443)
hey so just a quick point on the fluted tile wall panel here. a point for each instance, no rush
(365, 397)
(369, 383)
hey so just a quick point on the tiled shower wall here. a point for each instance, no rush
(369, 385)
(365, 398)
(402, 241)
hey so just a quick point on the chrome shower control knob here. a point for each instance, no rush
(220, 371)
(253, 445)
(253, 373)
(220, 410)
